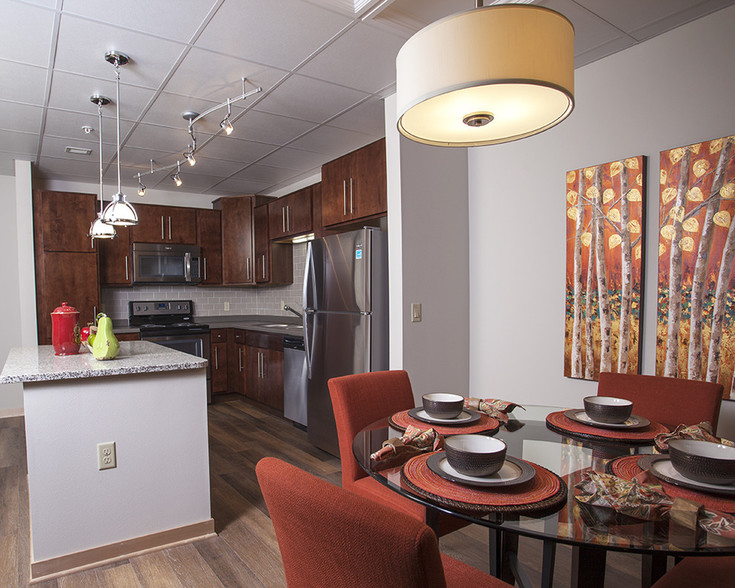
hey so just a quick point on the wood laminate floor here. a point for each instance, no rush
(245, 551)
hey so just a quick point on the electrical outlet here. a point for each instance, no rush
(227, 305)
(106, 456)
(415, 312)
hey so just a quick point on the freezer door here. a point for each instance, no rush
(339, 344)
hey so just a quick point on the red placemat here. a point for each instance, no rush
(545, 492)
(557, 421)
(486, 424)
(627, 468)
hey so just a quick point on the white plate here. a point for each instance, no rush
(663, 469)
(513, 472)
(579, 415)
(464, 418)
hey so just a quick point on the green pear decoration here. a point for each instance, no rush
(106, 345)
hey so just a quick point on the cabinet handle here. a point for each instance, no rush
(94, 317)
(170, 234)
(163, 229)
(344, 197)
(263, 256)
(239, 356)
(216, 358)
(351, 210)
(247, 269)
(205, 269)
(283, 218)
(127, 277)
(288, 218)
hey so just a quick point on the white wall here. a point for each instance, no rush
(673, 90)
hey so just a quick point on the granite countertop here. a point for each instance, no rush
(39, 364)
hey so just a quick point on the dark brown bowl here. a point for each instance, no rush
(606, 409)
(443, 406)
(475, 455)
(703, 461)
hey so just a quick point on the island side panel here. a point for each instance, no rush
(158, 422)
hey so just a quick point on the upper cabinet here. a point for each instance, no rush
(63, 220)
(354, 186)
(115, 260)
(290, 215)
(165, 224)
(273, 261)
(209, 237)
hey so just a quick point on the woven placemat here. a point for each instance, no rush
(557, 421)
(486, 424)
(627, 468)
(546, 492)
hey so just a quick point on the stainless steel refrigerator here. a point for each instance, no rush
(345, 319)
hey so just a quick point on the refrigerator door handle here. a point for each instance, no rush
(309, 334)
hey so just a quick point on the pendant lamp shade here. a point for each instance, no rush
(120, 212)
(100, 230)
(489, 75)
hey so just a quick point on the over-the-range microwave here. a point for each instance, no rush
(158, 263)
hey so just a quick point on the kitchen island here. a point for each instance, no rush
(150, 402)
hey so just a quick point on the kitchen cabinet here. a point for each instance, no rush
(115, 260)
(218, 360)
(273, 261)
(236, 368)
(165, 224)
(128, 336)
(354, 186)
(264, 353)
(66, 260)
(209, 238)
(290, 215)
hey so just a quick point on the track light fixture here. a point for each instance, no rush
(141, 187)
(226, 124)
(189, 155)
(98, 229)
(177, 176)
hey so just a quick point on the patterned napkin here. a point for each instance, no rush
(701, 432)
(492, 407)
(399, 450)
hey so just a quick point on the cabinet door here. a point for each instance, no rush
(336, 179)
(277, 218)
(63, 220)
(115, 261)
(370, 184)
(209, 237)
(66, 277)
(128, 336)
(271, 378)
(237, 241)
(218, 362)
(262, 244)
(298, 214)
(151, 227)
(181, 225)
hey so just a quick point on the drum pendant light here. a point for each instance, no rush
(98, 229)
(489, 75)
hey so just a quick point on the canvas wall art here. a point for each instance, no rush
(604, 265)
(695, 316)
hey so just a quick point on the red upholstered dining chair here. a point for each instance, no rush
(700, 571)
(359, 400)
(331, 537)
(669, 401)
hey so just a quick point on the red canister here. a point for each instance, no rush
(65, 330)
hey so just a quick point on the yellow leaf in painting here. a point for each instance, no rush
(668, 195)
(691, 225)
(675, 155)
(700, 167)
(687, 244)
(608, 195)
(589, 172)
(592, 193)
(695, 195)
(639, 179)
(663, 177)
(667, 232)
(722, 218)
(716, 146)
(614, 215)
(637, 252)
(695, 148)
(661, 249)
(614, 241)
(586, 238)
(634, 226)
(634, 195)
(631, 163)
(728, 191)
(615, 168)
(677, 213)
(572, 197)
(572, 212)
(571, 176)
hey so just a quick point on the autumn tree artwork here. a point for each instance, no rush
(604, 247)
(695, 316)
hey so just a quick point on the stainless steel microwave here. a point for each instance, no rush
(157, 263)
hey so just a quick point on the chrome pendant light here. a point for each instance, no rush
(485, 76)
(119, 212)
(98, 229)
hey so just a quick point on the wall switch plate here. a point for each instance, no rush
(415, 312)
(227, 306)
(106, 456)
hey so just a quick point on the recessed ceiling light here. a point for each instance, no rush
(78, 150)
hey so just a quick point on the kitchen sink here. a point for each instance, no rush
(281, 326)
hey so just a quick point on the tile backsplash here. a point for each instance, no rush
(211, 301)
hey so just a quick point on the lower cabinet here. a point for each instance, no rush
(128, 336)
(218, 360)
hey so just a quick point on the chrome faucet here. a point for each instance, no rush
(289, 309)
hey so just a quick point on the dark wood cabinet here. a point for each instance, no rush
(354, 186)
(273, 261)
(218, 360)
(209, 238)
(236, 368)
(165, 224)
(264, 354)
(238, 248)
(62, 220)
(115, 262)
(128, 336)
(290, 215)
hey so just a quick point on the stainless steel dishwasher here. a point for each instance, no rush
(294, 380)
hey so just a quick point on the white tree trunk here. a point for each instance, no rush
(675, 270)
(589, 338)
(578, 284)
(602, 292)
(626, 285)
(718, 311)
(694, 361)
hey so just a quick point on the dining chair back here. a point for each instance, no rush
(330, 537)
(669, 401)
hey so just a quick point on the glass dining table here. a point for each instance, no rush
(591, 531)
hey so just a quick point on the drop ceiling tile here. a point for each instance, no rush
(20, 117)
(21, 144)
(309, 99)
(168, 108)
(64, 123)
(241, 186)
(223, 77)
(151, 58)
(215, 167)
(29, 82)
(265, 173)
(367, 117)
(72, 92)
(26, 33)
(140, 159)
(157, 138)
(349, 63)
(83, 168)
(280, 34)
(295, 159)
(171, 19)
(270, 128)
(331, 141)
(232, 149)
(55, 147)
(191, 182)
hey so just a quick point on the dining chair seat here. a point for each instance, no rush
(330, 537)
(669, 401)
(700, 571)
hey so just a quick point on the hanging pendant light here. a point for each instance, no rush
(119, 212)
(98, 229)
(489, 75)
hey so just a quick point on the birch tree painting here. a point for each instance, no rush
(696, 319)
(604, 268)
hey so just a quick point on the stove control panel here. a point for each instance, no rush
(161, 308)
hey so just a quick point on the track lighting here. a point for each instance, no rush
(177, 177)
(226, 124)
(190, 158)
(141, 187)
